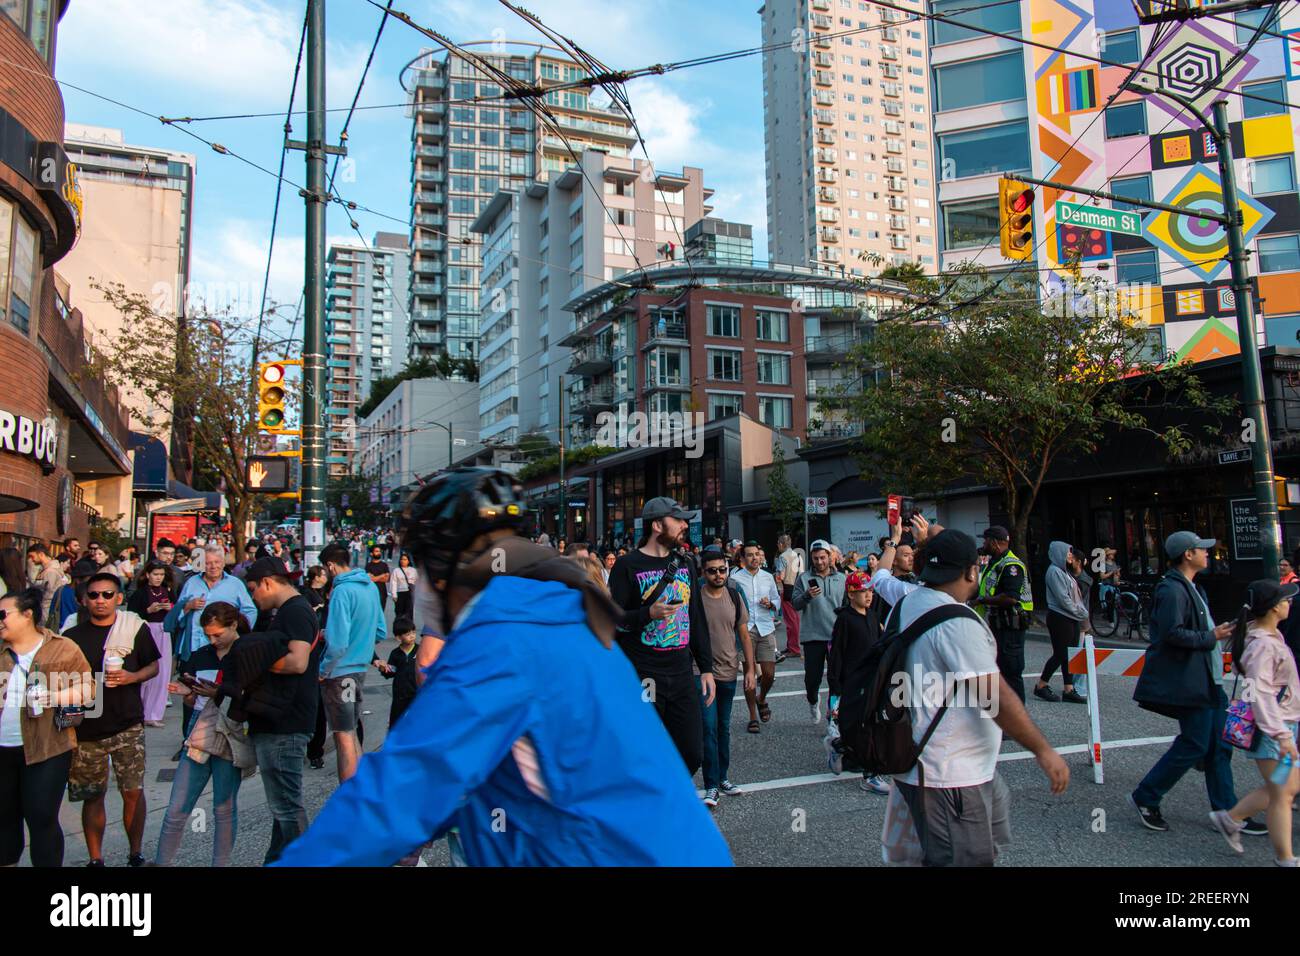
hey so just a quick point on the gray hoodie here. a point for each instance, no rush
(817, 614)
(1063, 595)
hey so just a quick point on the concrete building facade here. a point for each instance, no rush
(847, 128)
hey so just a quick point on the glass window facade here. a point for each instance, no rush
(1135, 187)
(1128, 119)
(994, 79)
(977, 152)
(1138, 267)
(1002, 18)
(1269, 176)
(970, 223)
(1279, 254)
(1254, 97)
(720, 406)
(776, 412)
(1121, 47)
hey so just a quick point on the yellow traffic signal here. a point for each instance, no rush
(1016, 215)
(271, 397)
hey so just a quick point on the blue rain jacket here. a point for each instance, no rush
(522, 662)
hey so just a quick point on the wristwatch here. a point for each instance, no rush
(888, 544)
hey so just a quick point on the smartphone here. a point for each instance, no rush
(907, 508)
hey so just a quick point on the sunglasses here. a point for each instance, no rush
(721, 570)
(100, 595)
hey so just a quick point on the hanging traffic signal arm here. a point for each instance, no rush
(1016, 219)
(272, 395)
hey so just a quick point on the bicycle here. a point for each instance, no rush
(1115, 603)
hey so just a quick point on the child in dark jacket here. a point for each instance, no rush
(401, 668)
(855, 632)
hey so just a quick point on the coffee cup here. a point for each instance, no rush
(112, 663)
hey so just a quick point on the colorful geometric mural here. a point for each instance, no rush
(1201, 244)
(1186, 61)
(1066, 93)
(1208, 340)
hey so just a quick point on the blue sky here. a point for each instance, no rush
(212, 57)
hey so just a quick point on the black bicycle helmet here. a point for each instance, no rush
(444, 517)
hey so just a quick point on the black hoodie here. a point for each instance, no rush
(852, 637)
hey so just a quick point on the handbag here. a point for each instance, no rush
(1239, 727)
(65, 718)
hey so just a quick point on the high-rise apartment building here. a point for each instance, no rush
(1001, 106)
(716, 240)
(848, 135)
(139, 236)
(366, 328)
(462, 153)
(588, 224)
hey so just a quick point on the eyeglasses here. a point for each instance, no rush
(100, 595)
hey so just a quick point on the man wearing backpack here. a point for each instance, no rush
(958, 802)
(724, 613)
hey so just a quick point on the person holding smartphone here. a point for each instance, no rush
(818, 594)
(151, 600)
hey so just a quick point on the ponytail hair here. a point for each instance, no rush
(1237, 644)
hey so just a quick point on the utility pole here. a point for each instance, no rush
(313, 350)
(563, 531)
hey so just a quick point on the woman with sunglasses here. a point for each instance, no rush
(39, 671)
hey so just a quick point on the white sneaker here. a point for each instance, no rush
(815, 711)
(1291, 862)
(729, 789)
(874, 785)
(711, 797)
(1228, 828)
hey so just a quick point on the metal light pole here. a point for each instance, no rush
(447, 428)
(313, 351)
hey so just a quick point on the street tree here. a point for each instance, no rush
(197, 373)
(784, 500)
(982, 379)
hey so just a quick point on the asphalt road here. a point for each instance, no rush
(794, 813)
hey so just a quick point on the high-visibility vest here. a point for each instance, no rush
(993, 574)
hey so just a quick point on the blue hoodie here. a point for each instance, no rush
(522, 665)
(354, 623)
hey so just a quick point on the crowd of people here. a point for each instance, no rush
(269, 658)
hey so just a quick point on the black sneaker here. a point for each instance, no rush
(1047, 694)
(1151, 818)
(94, 863)
(780, 656)
(1073, 697)
(317, 763)
(1255, 828)
(135, 859)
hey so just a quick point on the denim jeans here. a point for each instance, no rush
(1200, 738)
(190, 782)
(279, 761)
(717, 733)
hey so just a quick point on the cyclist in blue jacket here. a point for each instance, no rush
(530, 733)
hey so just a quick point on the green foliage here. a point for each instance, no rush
(550, 464)
(904, 272)
(784, 500)
(990, 384)
(104, 531)
(444, 366)
(357, 488)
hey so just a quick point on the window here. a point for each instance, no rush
(1268, 90)
(549, 71)
(22, 285)
(993, 79)
(989, 150)
(1278, 254)
(1122, 47)
(666, 367)
(1002, 18)
(1130, 119)
(1135, 187)
(724, 365)
(1271, 176)
(773, 326)
(970, 223)
(1137, 267)
(773, 369)
(720, 406)
(724, 321)
(776, 412)
(1248, 21)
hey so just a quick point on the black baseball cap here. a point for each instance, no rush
(83, 568)
(1264, 595)
(265, 568)
(657, 508)
(947, 556)
(997, 533)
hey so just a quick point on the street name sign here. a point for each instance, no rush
(1094, 217)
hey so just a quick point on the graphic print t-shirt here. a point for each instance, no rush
(653, 644)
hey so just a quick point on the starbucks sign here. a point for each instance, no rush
(20, 435)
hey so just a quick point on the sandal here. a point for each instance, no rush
(753, 727)
(765, 712)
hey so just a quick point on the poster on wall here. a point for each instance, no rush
(1245, 530)
(696, 520)
(176, 528)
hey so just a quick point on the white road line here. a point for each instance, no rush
(816, 778)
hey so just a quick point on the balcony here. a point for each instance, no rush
(426, 288)
(826, 136)
(426, 265)
(430, 245)
(823, 60)
(827, 175)
(828, 194)
(591, 359)
(430, 196)
(897, 222)
(826, 155)
(830, 347)
(430, 152)
(427, 338)
(898, 203)
(425, 317)
(831, 387)
(826, 117)
(436, 107)
(830, 431)
(593, 399)
(671, 333)
(828, 215)
(822, 43)
(824, 77)
(822, 22)
(820, 4)
(434, 219)
(828, 234)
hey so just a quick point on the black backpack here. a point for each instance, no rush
(876, 732)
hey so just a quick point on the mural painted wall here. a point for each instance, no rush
(1148, 142)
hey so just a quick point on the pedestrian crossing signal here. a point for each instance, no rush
(271, 398)
(1016, 215)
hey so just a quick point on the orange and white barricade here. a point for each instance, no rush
(1093, 661)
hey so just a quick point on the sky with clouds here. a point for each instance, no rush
(217, 57)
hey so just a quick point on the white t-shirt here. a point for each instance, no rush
(11, 731)
(964, 749)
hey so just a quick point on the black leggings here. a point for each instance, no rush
(1064, 632)
(814, 665)
(31, 795)
(677, 700)
(403, 605)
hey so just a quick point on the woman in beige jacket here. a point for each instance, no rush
(1272, 687)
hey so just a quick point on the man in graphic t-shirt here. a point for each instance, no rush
(661, 636)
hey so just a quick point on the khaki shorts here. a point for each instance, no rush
(88, 778)
(764, 647)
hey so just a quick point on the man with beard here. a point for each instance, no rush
(664, 626)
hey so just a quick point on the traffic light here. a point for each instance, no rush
(271, 398)
(1016, 215)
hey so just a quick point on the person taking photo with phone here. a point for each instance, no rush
(818, 594)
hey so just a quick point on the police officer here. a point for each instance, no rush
(1006, 602)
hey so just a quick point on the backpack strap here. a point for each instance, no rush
(735, 600)
(669, 576)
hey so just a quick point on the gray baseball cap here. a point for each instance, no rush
(657, 508)
(1181, 541)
